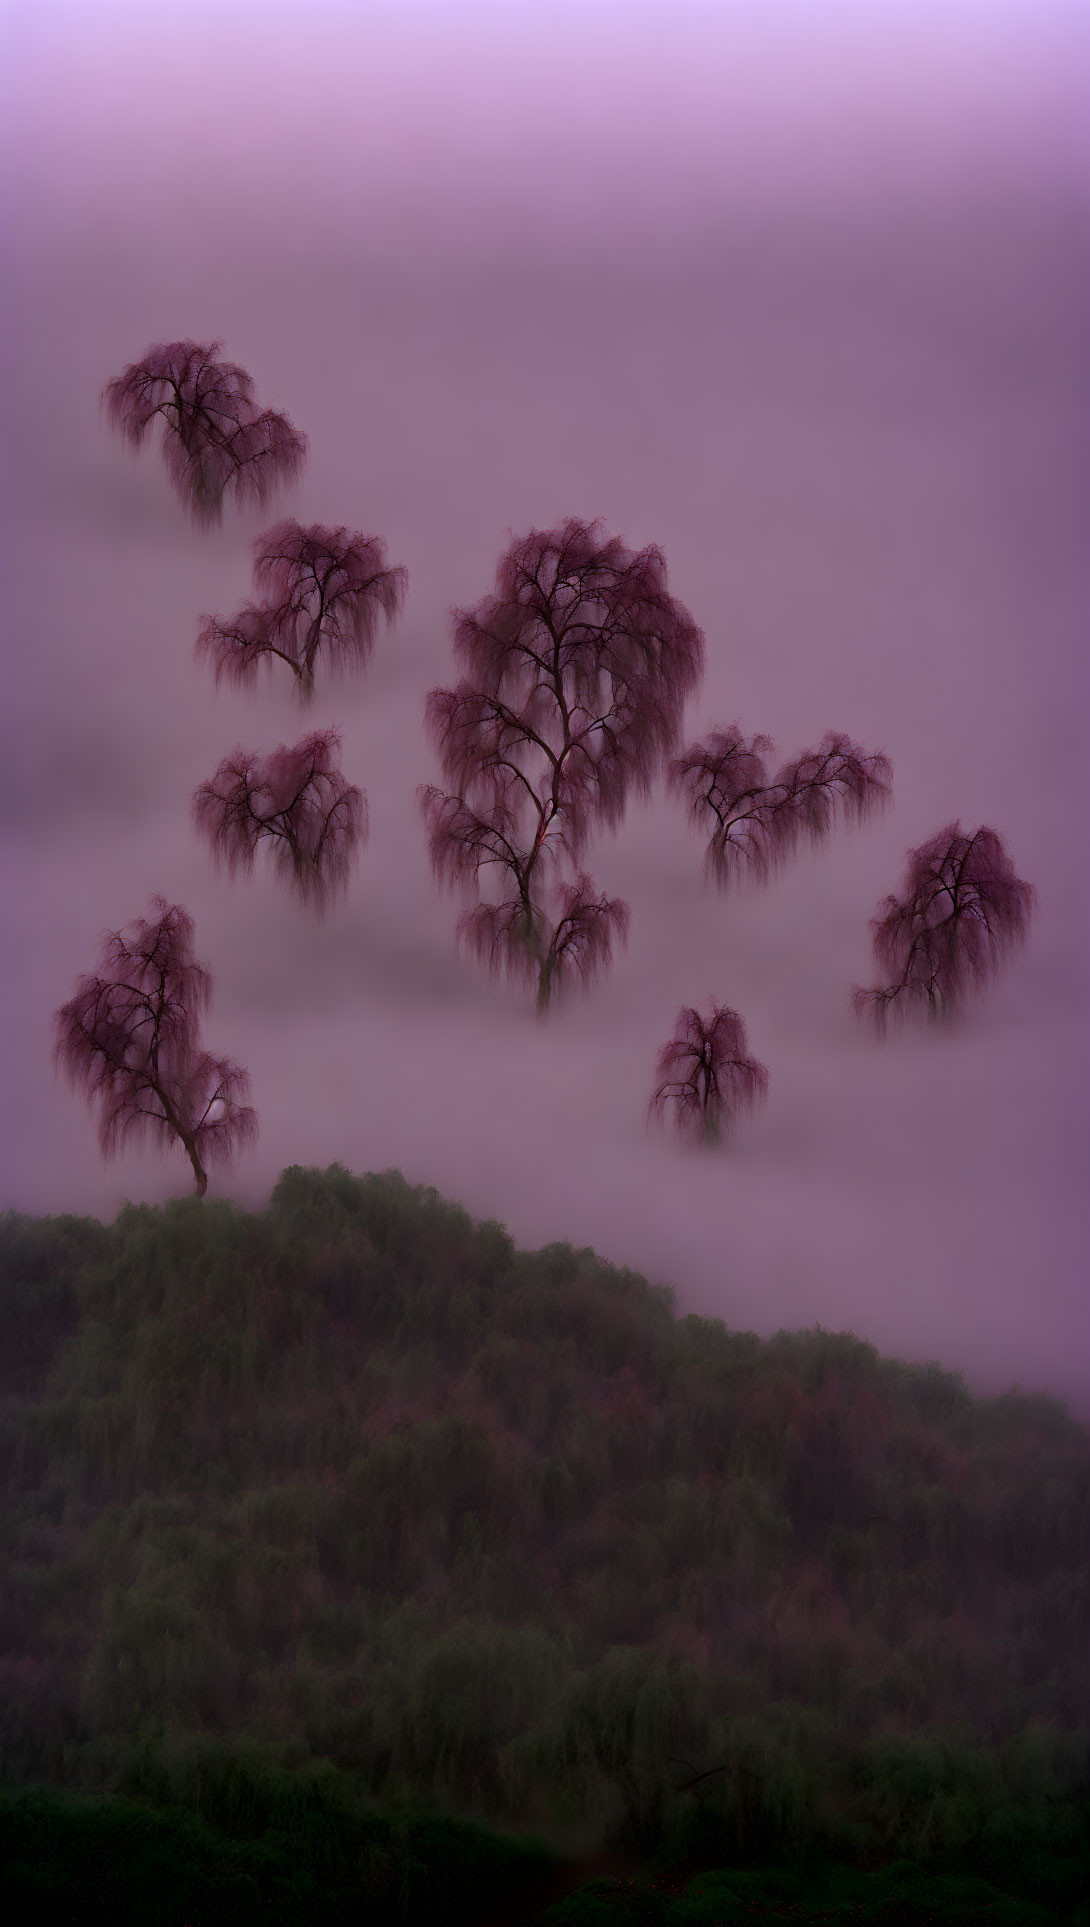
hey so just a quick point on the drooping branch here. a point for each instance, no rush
(324, 592)
(725, 777)
(571, 942)
(129, 1041)
(508, 938)
(461, 842)
(581, 661)
(707, 1077)
(215, 438)
(578, 669)
(586, 930)
(294, 799)
(837, 782)
(962, 911)
(579, 618)
(758, 821)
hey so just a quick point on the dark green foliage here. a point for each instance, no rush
(903, 1894)
(251, 1851)
(39, 1260)
(353, 1482)
(475, 1697)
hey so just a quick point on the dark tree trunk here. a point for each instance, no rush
(199, 1171)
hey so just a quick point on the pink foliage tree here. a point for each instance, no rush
(961, 913)
(324, 590)
(129, 1040)
(707, 1077)
(758, 821)
(215, 438)
(578, 668)
(296, 800)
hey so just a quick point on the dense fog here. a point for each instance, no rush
(799, 299)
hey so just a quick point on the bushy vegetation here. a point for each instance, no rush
(326, 1519)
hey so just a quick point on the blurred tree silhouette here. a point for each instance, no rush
(130, 1040)
(324, 590)
(296, 799)
(215, 439)
(962, 911)
(759, 819)
(579, 668)
(706, 1074)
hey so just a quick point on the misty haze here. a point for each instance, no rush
(831, 359)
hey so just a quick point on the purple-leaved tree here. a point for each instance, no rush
(294, 799)
(129, 1040)
(940, 943)
(707, 1077)
(757, 821)
(324, 590)
(215, 438)
(578, 669)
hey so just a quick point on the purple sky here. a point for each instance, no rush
(804, 302)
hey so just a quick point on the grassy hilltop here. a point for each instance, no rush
(349, 1552)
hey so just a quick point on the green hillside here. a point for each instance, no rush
(345, 1547)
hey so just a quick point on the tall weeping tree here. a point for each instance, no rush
(578, 669)
(756, 821)
(323, 591)
(961, 913)
(707, 1077)
(216, 440)
(129, 1040)
(295, 800)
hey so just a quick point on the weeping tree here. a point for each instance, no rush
(129, 1040)
(755, 822)
(323, 591)
(294, 800)
(707, 1078)
(578, 668)
(961, 913)
(216, 440)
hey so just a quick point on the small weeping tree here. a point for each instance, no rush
(216, 440)
(296, 801)
(578, 668)
(129, 1040)
(323, 592)
(962, 911)
(756, 821)
(707, 1077)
